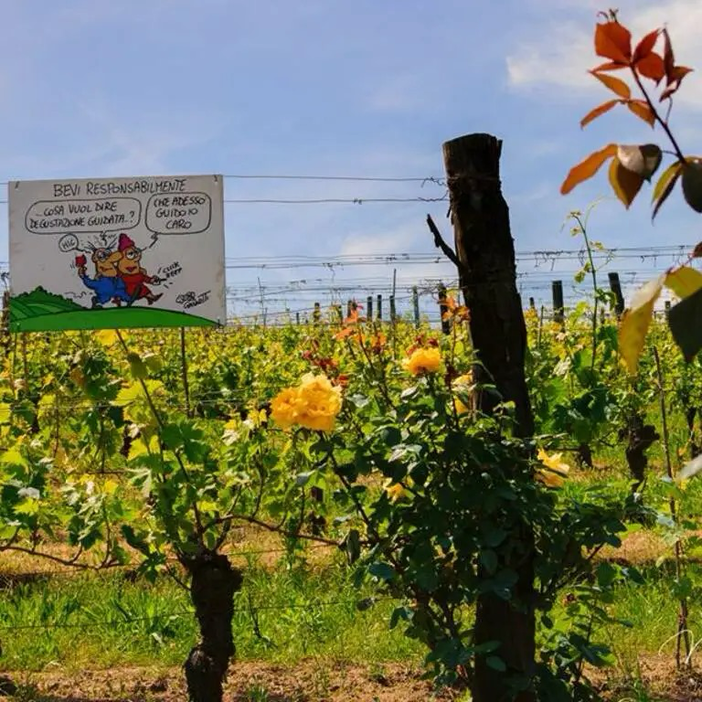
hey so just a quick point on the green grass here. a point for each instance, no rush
(40, 310)
(105, 620)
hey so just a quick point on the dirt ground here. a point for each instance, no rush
(247, 682)
(313, 681)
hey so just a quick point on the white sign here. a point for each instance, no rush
(121, 252)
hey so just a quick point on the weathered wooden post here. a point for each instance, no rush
(558, 305)
(369, 308)
(484, 255)
(393, 310)
(616, 287)
(379, 311)
(317, 314)
(415, 305)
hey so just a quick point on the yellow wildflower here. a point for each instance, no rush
(314, 404)
(423, 360)
(555, 471)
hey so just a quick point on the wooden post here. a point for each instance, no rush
(379, 311)
(349, 307)
(393, 311)
(484, 252)
(558, 307)
(369, 308)
(184, 371)
(317, 314)
(667, 308)
(415, 305)
(443, 308)
(532, 303)
(616, 288)
(297, 318)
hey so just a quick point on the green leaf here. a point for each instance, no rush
(685, 322)
(137, 366)
(489, 560)
(381, 570)
(496, 663)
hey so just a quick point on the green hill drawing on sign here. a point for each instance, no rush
(40, 310)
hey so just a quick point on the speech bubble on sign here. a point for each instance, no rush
(184, 213)
(69, 242)
(85, 216)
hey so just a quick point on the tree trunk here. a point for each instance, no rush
(487, 275)
(212, 588)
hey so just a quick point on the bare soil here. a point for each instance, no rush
(311, 681)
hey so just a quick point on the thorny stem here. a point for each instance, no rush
(658, 118)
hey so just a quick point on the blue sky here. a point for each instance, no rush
(363, 88)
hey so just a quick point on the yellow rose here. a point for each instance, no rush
(319, 403)
(394, 492)
(314, 404)
(284, 407)
(423, 360)
(462, 384)
(555, 470)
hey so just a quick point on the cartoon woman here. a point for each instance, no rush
(132, 274)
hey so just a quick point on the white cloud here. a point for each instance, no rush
(560, 54)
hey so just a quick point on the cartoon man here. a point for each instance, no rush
(106, 284)
(131, 272)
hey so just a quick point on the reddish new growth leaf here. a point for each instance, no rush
(645, 46)
(614, 84)
(587, 167)
(613, 41)
(641, 109)
(673, 74)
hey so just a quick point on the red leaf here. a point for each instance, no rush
(651, 66)
(645, 46)
(668, 56)
(599, 110)
(609, 66)
(617, 85)
(587, 167)
(641, 109)
(613, 41)
(674, 79)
